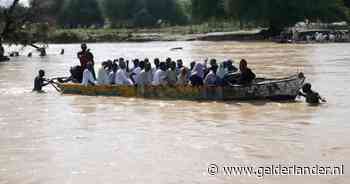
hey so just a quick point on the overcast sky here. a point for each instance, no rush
(8, 2)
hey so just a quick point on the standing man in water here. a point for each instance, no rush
(40, 81)
(2, 53)
(85, 57)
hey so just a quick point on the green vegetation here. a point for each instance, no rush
(119, 20)
(167, 33)
(275, 14)
(81, 13)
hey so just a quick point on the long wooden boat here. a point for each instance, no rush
(262, 89)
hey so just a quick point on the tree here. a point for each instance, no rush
(81, 13)
(347, 3)
(120, 12)
(126, 12)
(167, 10)
(23, 25)
(203, 10)
(277, 14)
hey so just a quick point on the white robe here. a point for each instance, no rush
(159, 78)
(145, 78)
(88, 78)
(103, 78)
(136, 72)
(121, 78)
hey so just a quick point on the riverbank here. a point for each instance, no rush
(148, 35)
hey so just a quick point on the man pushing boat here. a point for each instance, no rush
(40, 82)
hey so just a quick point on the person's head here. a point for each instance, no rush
(109, 63)
(180, 64)
(136, 62)
(148, 67)
(307, 88)
(168, 63)
(41, 73)
(213, 62)
(243, 65)
(104, 64)
(121, 59)
(142, 64)
(229, 62)
(146, 60)
(157, 62)
(231, 68)
(173, 65)
(84, 47)
(214, 68)
(192, 64)
(115, 66)
(122, 65)
(163, 66)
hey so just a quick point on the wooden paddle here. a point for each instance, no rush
(56, 84)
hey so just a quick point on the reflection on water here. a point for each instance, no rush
(53, 138)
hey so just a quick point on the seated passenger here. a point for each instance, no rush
(76, 74)
(103, 78)
(183, 77)
(311, 96)
(192, 64)
(146, 77)
(88, 77)
(212, 79)
(113, 71)
(197, 75)
(212, 64)
(137, 71)
(246, 76)
(179, 66)
(230, 67)
(171, 74)
(160, 77)
(121, 77)
(168, 63)
(221, 71)
(156, 65)
(136, 68)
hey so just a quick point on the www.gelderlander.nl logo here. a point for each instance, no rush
(275, 170)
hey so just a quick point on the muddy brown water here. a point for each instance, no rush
(53, 138)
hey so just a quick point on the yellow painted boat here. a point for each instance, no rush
(262, 89)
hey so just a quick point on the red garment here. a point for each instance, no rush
(85, 57)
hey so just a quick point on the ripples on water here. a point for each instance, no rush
(53, 138)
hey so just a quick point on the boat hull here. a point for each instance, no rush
(268, 89)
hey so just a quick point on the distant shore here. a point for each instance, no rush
(149, 35)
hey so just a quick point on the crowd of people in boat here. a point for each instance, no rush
(168, 72)
(336, 36)
(317, 37)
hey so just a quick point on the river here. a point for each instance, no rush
(53, 138)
